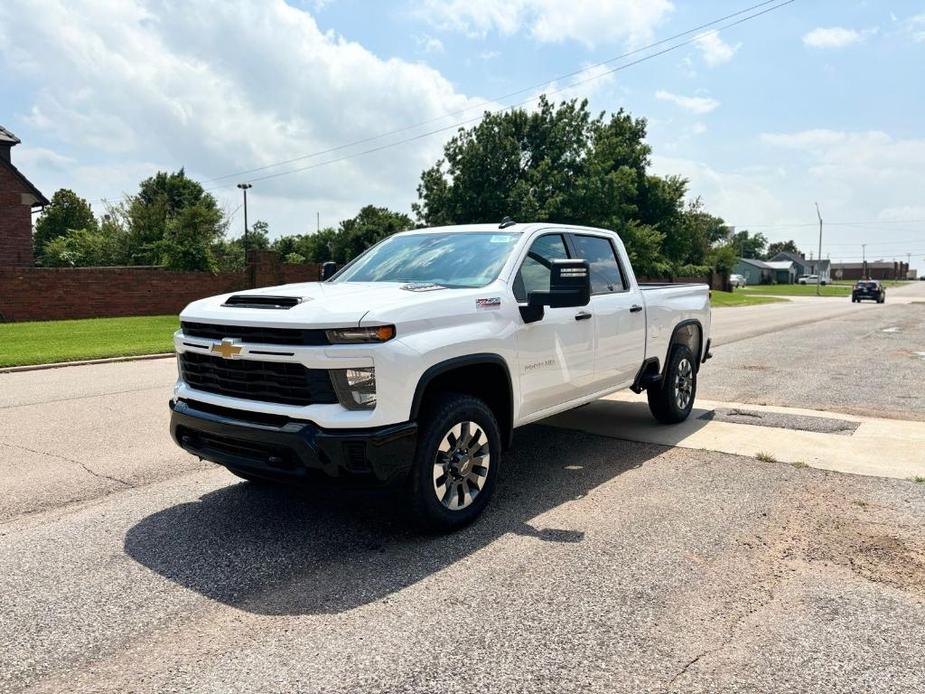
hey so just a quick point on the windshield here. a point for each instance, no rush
(457, 259)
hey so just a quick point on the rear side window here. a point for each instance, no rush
(605, 271)
(536, 270)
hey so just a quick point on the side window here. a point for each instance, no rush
(535, 271)
(605, 271)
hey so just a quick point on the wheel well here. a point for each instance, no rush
(488, 380)
(690, 334)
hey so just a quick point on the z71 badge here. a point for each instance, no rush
(488, 303)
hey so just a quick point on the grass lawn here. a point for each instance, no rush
(797, 290)
(45, 342)
(740, 298)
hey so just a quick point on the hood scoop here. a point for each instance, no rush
(263, 301)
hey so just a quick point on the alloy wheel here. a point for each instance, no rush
(461, 465)
(683, 384)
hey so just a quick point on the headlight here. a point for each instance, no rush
(355, 388)
(379, 333)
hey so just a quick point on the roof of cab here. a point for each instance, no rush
(513, 228)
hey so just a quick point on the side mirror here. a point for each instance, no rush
(569, 286)
(327, 270)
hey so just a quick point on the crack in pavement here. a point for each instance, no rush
(725, 642)
(81, 397)
(74, 461)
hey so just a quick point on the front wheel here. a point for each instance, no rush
(456, 463)
(672, 399)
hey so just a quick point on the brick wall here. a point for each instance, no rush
(15, 222)
(31, 293)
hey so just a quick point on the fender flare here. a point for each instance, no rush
(454, 363)
(698, 356)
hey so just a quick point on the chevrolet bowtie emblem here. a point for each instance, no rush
(227, 348)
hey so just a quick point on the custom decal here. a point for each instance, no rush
(488, 303)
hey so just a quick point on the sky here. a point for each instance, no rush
(815, 101)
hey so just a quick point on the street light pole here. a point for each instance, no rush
(819, 262)
(245, 187)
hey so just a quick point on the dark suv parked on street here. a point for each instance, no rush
(868, 289)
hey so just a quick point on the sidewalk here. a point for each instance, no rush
(878, 447)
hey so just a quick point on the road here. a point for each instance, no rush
(603, 565)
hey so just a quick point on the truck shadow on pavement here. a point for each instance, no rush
(268, 550)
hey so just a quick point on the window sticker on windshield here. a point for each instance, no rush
(500, 238)
(488, 303)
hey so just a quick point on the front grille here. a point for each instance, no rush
(256, 334)
(279, 382)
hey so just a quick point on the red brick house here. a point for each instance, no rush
(18, 197)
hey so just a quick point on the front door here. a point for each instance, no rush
(555, 355)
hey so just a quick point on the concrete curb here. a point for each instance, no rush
(86, 362)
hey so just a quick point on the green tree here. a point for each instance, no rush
(106, 245)
(67, 212)
(749, 245)
(559, 163)
(172, 221)
(371, 225)
(229, 253)
(782, 247)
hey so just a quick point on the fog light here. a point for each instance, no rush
(355, 388)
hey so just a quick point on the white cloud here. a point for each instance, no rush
(835, 37)
(429, 44)
(856, 176)
(125, 87)
(694, 104)
(590, 22)
(915, 26)
(714, 50)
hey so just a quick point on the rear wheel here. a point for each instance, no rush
(672, 399)
(456, 463)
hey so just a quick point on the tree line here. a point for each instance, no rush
(558, 163)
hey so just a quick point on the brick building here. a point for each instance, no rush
(18, 197)
(875, 270)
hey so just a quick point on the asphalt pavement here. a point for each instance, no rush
(602, 565)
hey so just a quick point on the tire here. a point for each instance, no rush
(672, 400)
(451, 483)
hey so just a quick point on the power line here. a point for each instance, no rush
(840, 224)
(507, 108)
(503, 97)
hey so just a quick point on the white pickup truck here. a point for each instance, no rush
(415, 362)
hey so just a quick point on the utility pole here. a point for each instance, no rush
(908, 264)
(245, 187)
(317, 221)
(864, 261)
(818, 276)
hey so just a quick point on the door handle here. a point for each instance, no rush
(635, 309)
(583, 315)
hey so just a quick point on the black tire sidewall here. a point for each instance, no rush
(662, 402)
(444, 412)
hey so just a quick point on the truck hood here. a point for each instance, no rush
(323, 305)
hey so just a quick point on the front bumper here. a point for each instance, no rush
(282, 448)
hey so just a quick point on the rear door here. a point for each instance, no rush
(618, 312)
(555, 355)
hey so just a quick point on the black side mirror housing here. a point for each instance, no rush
(569, 286)
(327, 270)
